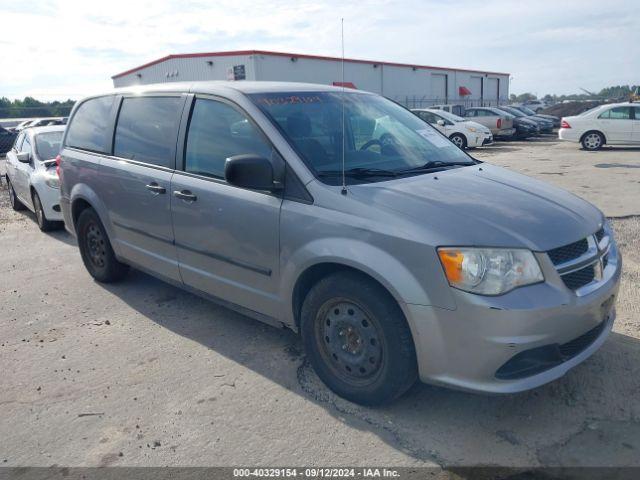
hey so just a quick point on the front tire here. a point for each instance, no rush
(96, 251)
(592, 141)
(459, 140)
(357, 339)
(13, 198)
(44, 224)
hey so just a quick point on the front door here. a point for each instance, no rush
(227, 238)
(636, 124)
(135, 183)
(617, 125)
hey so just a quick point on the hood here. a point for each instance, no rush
(524, 121)
(477, 126)
(485, 205)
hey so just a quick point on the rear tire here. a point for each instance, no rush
(357, 339)
(44, 224)
(592, 141)
(96, 251)
(13, 198)
(459, 140)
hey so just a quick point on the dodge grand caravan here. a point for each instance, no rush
(416, 262)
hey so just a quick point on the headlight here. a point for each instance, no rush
(489, 271)
(471, 129)
(52, 181)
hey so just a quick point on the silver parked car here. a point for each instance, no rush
(395, 254)
(32, 177)
(500, 123)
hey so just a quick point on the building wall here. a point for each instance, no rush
(413, 87)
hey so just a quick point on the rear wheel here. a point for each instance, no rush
(13, 198)
(96, 251)
(459, 140)
(357, 339)
(592, 141)
(44, 224)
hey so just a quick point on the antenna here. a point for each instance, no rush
(344, 181)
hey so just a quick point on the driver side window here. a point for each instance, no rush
(26, 146)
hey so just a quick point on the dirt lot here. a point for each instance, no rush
(141, 373)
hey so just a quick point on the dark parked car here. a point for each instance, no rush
(546, 126)
(527, 111)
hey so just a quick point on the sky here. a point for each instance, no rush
(58, 49)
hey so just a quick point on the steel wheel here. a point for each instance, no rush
(592, 141)
(349, 341)
(96, 247)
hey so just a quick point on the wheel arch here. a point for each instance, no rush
(83, 197)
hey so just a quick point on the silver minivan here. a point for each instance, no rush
(343, 216)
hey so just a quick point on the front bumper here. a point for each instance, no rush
(50, 198)
(466, 348)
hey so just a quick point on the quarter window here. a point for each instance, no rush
(617, 113)
(147, 130)
(89, 129)
(216, 132)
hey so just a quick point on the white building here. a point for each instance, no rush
(412, 85)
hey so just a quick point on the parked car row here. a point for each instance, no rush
(506, 121)
(39, 122)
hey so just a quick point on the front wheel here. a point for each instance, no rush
(592, 141)
(357, 339)
(95, 249)
(44, 224)
(459, 140)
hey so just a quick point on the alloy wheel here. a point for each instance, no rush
(592, 141)
(457, 141)
(38, 207)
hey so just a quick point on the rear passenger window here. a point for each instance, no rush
(618, 113)
(216, 132)
(147, 129)
(89, 129)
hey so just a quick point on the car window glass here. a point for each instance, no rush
(637, 112)
(216, 132)
(428, 117)
(147, 129)
(89, 129)
(26, 146)
(618, 113)
(48, 144)
(19, 141)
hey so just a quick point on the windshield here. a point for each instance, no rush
(450, 116)
(379, 135)
(526, 110)
(513, 111)
(48, 145)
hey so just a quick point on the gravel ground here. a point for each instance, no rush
(141, 373)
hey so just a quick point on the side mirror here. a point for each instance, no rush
(24, 157)
(441, 123)
(251, 171)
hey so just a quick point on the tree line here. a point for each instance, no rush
(30, 107)
(618, 92)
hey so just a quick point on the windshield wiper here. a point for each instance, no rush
(433, 165)
(360, 172)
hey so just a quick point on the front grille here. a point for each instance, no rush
(577, 345)
(600, 234)
(579, 278)
(568, 252)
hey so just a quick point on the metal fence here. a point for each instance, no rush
(415, 101)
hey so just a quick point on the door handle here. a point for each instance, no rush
(185, 195)
(155, 188)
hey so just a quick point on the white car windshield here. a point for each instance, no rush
(48, 144)
(450, 116)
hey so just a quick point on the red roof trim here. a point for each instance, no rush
(297, 55)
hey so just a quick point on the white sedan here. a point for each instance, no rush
(32, 177)
(613, 124)
(463, 133)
